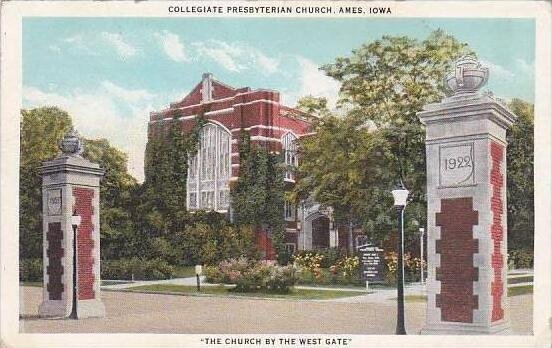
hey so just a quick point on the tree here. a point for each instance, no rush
(521, 227)
(42, 129)
(315, 106)
(380, 140)
(116, 198)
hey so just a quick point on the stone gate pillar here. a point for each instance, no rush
(466, 197)
(71, 188)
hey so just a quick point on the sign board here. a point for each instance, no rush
(198, 269)
(371, 263)
(456, 165)
(54, 202)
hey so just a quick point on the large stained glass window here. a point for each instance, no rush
(209, 170)
(289, 144)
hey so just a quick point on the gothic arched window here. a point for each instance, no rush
(289, 145)
(209, 170)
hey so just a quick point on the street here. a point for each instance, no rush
(154, 313)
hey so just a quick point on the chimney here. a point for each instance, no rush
(207, 87)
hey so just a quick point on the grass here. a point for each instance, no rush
(115, 282)
(35, 284)
(520, 290)
(520, 280)
(299, 294)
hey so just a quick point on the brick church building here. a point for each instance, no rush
(216, 165)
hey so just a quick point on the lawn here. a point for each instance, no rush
(298, 294)
(520, 290)
(520, 280)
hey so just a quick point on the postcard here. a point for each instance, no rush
(275, 174)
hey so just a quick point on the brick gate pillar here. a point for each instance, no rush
(466, 197)
(71, 186)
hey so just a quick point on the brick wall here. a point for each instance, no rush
(55, 252)
(497, 230)
(457, 247)
(85, 242)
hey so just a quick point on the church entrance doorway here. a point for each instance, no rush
(320, 232)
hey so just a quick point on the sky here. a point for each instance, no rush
(110, 73)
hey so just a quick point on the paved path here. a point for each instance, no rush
(153, 313)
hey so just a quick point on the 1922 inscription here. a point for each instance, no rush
(457, 163)
(456, 167)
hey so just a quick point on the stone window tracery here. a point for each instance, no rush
(289, 145)
(209, 170)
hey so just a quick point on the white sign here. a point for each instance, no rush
(198, 269)
(456, 165)
(54, 202)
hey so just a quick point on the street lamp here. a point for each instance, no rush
(400, 194)
(422, 230)
(75, 222)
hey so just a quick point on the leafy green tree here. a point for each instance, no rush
(521, 227)
(116, 198)
(353, 162)
(41, 132)
(315, 106)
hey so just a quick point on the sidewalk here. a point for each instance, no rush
(373, 295)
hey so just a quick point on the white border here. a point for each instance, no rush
(12, 13)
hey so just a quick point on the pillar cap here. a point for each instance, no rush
(71, 159)
(465, 108)
(467, 76)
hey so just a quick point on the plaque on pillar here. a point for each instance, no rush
(71, 207)
(466, 197)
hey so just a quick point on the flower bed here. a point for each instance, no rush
(249, 275)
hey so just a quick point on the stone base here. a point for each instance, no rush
(53, 309)
(60, 309)
(459, 329)
(90, 309)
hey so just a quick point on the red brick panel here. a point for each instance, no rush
(55, 252)
(457, 247)
(85, 242)
(497, 230)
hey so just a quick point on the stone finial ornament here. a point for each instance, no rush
(71, 144)
(467, 77)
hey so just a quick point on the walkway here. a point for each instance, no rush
(373, 295)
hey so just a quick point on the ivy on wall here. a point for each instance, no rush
(166, 171)
(258, 196)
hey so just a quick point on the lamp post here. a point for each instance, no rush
(400, 194)
(75, 222)
(422, 230)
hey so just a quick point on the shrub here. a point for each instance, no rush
(213, 274)
(331, 256)
(201, 243)
(520, 259)
(136, 269)
(349, 267)
(30, 270)
(310, 260)
(411, 267)
(252, 275)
